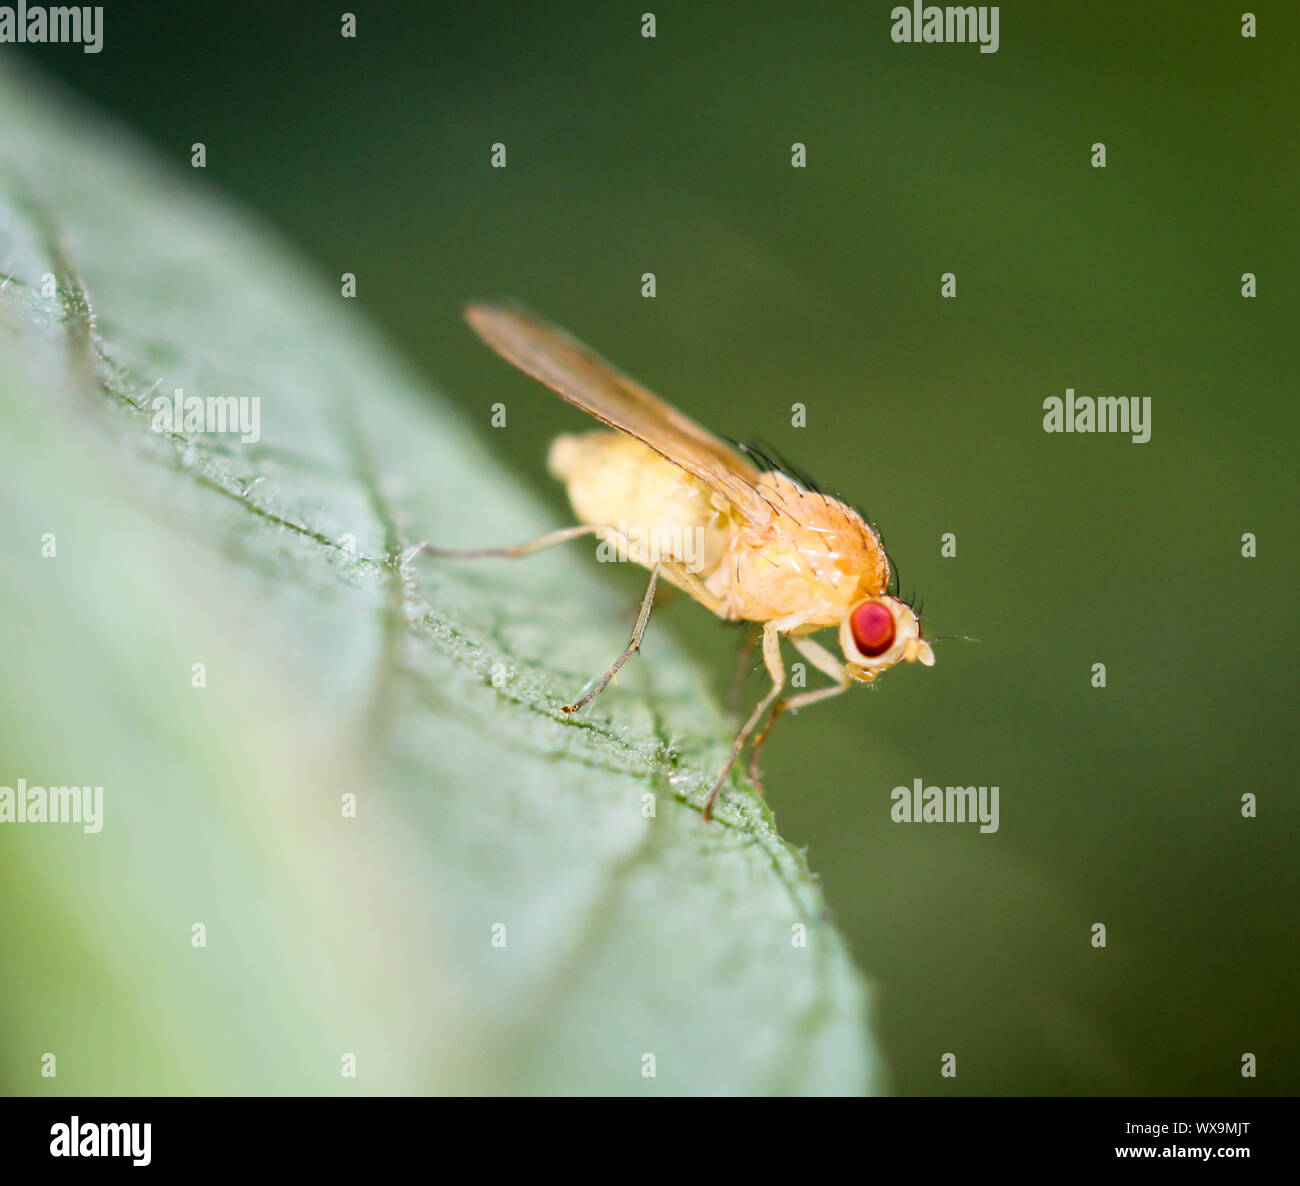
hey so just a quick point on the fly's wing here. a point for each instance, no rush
(585, 379)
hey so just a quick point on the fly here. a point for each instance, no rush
(748, 544)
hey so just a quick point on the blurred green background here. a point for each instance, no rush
(822, 285)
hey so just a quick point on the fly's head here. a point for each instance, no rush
(878, 632)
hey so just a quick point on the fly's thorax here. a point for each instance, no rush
(817, 557)
(657, 509)
(782, 573)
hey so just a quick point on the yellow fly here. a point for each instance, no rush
(748, 545)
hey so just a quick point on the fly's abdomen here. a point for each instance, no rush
(659, 510)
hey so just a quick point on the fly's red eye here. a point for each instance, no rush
(873, 628)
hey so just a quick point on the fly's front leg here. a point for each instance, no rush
(633, 645)
(825, 662)
(519, 550)
(776, 669)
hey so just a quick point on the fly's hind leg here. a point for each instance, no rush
(549, 540)
(519, 550)
(676, 571)
(680, 575)
(825, 662)
(633, 645)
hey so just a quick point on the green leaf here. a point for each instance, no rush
(428, 692)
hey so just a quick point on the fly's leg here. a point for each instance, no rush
(633, 645)
(776, 669)
(663, 595)
(544, 541)
(677, 572)
(825, 662)
(738, 676)
(793, 704)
